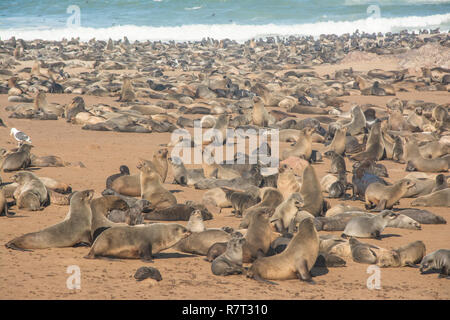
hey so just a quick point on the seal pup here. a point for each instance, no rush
(99, 208)
(369, 227)
(363, 252)
(229, 262)
(4, 204)
(152, 189)
(286, 211)
(241, 200)
(439, 259)
(296, 261)
(20, 159)
(439, 198)
(441, 183)
(31, 193)
(131, 216)
(76, 106)
(337, 162)
(184, 176)
(137, 242)
(147, 272)
(124, 171)
(384, 197)
(74, 229)
(338, 143)
(195, 223)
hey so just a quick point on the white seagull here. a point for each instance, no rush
(20, 136)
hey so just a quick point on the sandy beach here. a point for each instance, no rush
(41, 274)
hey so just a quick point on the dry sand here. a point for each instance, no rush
(42, 274)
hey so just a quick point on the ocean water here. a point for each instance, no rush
(196, 19)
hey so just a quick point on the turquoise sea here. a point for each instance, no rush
(195, 19)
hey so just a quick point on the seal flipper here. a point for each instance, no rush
(11, 245)
(145, 253)
(381, 205)
(303, 273)
(412, 265)
(97, 232)
(258, 278)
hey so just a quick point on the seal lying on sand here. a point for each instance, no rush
(74, 229)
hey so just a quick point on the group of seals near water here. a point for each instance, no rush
(284, 215)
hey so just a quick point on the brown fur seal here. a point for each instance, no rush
(384, 197)
(439, 259)
(441, 183)
(363, 252)
(296, 261)
(287, 182)
(358, 122)
(338, 143)
(31, 193)
(409, 255)
(302, 148)
(76, 106)
(200, 242)
(184, 176)
(161, 164)
(137, 242)
(131, 216)
(311, 193)
(127, 94)
(337, 162)
(17, 160)
(152, 189)
(369, 227)
(124, 171)
(128, 185)
(417, 162)
(241, 201)
(3, 204)
(439, 198)
(374, 147)
(74, 229)
(229, 262)
(258, 237)
(286, 211)
(179, 212)
(261, 117)
(100, 207)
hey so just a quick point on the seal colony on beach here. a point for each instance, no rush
(356, 156)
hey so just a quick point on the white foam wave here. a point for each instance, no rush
(232, 31)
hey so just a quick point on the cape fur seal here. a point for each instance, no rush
(229, 262)
(296, 261)
(100, 207)
(31, 193)
(384, 197)
(286, 211)
(439, 259)
(74, 229)
(124, 171)
(137, 242)
(369, 227)
(311, 193)
(152, 189)
(178, 212)
(200, 242)
(258, 237)
(147, 272)
(439, 198)
(17, 160)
